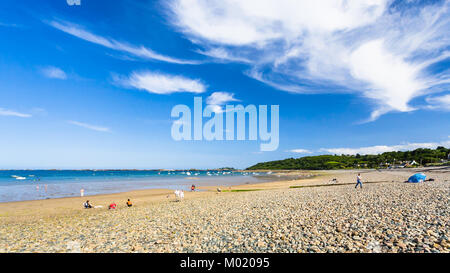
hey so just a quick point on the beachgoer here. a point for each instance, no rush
(87, 205)
(193, 188)
(112, 206)
(82, 192)
(179, 194)
(358, 181)
(129, 204)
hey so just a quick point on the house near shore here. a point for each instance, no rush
(406, 164)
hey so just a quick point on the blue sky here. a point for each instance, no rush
(92, 86)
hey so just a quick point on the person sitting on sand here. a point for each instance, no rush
(358, 181)
(87, 205)
(112, 206)
(129, 204)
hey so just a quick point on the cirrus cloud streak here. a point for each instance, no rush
(11, 113)
(159, 83)
(380, 50)
(138, 51)
(90, 126)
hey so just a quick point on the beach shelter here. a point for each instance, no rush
(416, 178)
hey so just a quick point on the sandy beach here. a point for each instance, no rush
(307, 215)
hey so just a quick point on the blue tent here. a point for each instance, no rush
(416, 178)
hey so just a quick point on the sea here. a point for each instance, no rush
(20, 185)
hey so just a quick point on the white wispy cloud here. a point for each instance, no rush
(138, 51)
(378, 149)
(370, 48)
(2, 24)
(6, 112)
(440, 102)
(159, 83)
(217, 99)
(300, 151)
(54, 73)
(220, 98)
(223, 55)
(89, 126)
(38, 111)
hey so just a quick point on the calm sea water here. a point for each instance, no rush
(19, 185)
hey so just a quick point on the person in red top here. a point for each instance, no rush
(193, 188)
(112, 206)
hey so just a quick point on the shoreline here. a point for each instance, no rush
(60, 186)
(15, 210)
(67, 205)
(321, 214)
(283, 175)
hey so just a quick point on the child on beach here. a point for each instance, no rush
(358, 181)
(129, 204)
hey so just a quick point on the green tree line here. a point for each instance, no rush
(327, 162)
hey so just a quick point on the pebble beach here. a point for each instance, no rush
(296, 216)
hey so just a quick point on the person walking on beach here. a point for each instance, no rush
(193, 187)
(358, 181)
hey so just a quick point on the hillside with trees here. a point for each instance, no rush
(418, 157)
